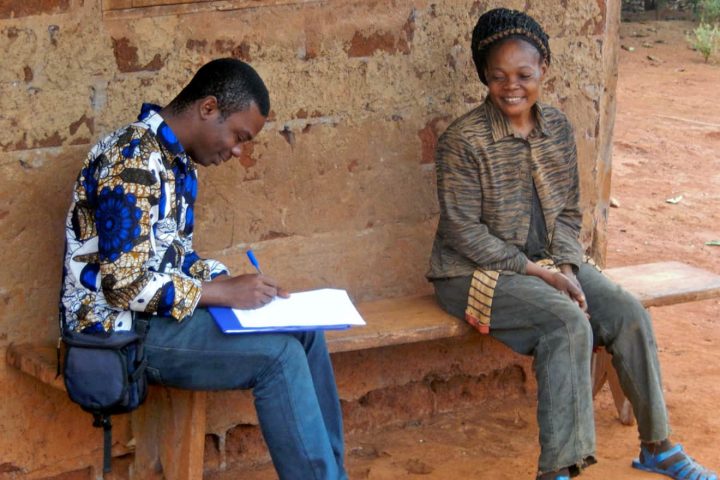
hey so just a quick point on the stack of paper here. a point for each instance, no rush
(313, 310)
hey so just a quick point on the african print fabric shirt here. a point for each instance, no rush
(129, 231)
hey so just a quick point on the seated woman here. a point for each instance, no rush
(507, 258)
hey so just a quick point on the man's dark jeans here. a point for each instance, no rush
(290, 375)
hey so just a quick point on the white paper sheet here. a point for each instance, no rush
(326, 306)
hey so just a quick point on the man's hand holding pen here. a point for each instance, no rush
(251, 290)
(247, 291)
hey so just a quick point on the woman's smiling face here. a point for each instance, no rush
(514, 73)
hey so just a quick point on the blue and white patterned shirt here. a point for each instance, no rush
(129, 231)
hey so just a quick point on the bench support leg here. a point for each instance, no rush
(602, 371)
(169, 432)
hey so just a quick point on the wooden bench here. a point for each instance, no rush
(170, 428)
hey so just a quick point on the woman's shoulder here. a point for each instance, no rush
(553, 116)
(471, 124)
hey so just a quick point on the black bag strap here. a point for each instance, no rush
(103, 420)
(142, 325)
(58, 349)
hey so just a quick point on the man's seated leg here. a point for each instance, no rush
(300, 419)
(323, 377)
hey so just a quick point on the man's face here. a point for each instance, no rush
(514, 73)
(218, 139)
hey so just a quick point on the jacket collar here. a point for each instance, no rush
(501, 127)
(150, 116)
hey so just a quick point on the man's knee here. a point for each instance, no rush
(289, 349)
(312, 338)
(277, 353)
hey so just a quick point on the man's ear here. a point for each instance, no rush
(208, 107)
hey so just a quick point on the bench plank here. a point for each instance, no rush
(666, 283)
(397, 321)
(39, 361)
(416, 319)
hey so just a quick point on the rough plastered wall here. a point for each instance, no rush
(337, 191)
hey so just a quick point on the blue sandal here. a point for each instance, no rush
(684, 469)
(558, 475)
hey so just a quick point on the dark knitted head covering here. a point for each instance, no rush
(499, 24)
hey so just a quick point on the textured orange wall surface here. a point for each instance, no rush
(338, 190)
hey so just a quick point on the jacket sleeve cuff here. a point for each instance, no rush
(517, 263)
(187, 296)
(216, 268)
(574, 261)
(520, 263)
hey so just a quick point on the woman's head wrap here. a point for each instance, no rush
(500, 23)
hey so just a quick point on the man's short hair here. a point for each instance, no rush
(234, 84)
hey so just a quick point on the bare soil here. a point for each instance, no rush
(667, 146)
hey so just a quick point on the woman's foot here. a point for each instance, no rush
(562, 474)
(568, 472)
(671, 460)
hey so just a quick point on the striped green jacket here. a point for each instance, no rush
(484, 186)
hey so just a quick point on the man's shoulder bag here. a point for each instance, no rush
(105, 374)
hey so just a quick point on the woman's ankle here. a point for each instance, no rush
(657, 447)
(563, 472)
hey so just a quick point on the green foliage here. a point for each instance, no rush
(709, 11)
(705, 39)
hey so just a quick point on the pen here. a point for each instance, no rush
(254, 261)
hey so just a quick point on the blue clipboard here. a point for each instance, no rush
(229, 323)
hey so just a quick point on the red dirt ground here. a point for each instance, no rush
(667, 144)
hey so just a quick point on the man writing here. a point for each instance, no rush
(129, 252)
